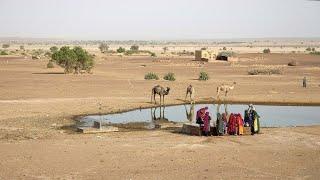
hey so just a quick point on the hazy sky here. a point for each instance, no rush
(162, 19)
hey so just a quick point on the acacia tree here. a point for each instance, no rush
(103, 47)
(121, 50)
(73, 60)
(134, 48)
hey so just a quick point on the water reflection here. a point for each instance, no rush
(190, 113)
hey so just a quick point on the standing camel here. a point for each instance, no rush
(161, 91)
(191, 91)
(224, 88)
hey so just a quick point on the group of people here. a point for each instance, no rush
(232, 124)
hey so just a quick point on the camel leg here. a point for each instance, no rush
(163, 100)
(154, 97)
(151, 96)
(185, 99)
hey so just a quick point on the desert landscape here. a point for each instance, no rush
(39, 104)
(165, 89)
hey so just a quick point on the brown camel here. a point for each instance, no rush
(161, 91)
(190, 91)
(224, 88)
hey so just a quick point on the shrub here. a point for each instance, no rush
(50, 65)
(103, 47)
(169, 77)
(224, 48)
(266, 51)
(203, 76)
(22, 48)
(121, 50)
(3, 53)
(5, 45)
(293, 63)
(308, 49)
(73, 60)
(152, 54)
(315, 53)
(151, 75)
(265, 70)
(54, 49)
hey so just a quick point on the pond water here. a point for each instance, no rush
(271, 116)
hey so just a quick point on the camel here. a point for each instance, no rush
(224, 88)
(191, 91)
(161, 91)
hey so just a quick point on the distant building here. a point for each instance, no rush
(205, 55)
(210, 56)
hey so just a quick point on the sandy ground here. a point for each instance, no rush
(37, 140)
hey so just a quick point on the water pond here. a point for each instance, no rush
(271, 115)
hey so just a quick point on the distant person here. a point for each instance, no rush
(304, 82)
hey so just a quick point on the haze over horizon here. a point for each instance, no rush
(160, 20)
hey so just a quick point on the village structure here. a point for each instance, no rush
(213, 56)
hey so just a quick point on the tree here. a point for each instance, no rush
(73, 60)
(103, 47)
(313, 49)
(22, 47)
(308, 49)
(165, 49)
(134, 48)
(266, 51)
(121, 50)
(224, 48)
(5, 46)
(54, 49)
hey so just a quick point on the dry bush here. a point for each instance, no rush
(265, 70)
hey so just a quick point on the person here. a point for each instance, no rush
(304, 82)
(225, 122)
(232, 124)
(206, 123)
(253, 119)
(200, 117)
(239, 124)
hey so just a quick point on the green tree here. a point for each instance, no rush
(54, 49)
(121, 50)
(134, 48)
(103, 47)
(5, 46)
(22, 48)
(266, 51)
(73, 60)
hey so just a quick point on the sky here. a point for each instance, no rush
(159, 20)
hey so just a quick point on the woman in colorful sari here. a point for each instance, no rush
(200, 117)
(253, 119)
(206, 123)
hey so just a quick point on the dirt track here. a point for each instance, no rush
(37, 105)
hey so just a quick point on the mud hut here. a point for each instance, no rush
(205, 55)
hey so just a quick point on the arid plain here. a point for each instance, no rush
(38, 141)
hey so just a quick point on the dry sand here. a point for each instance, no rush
(37, 140)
